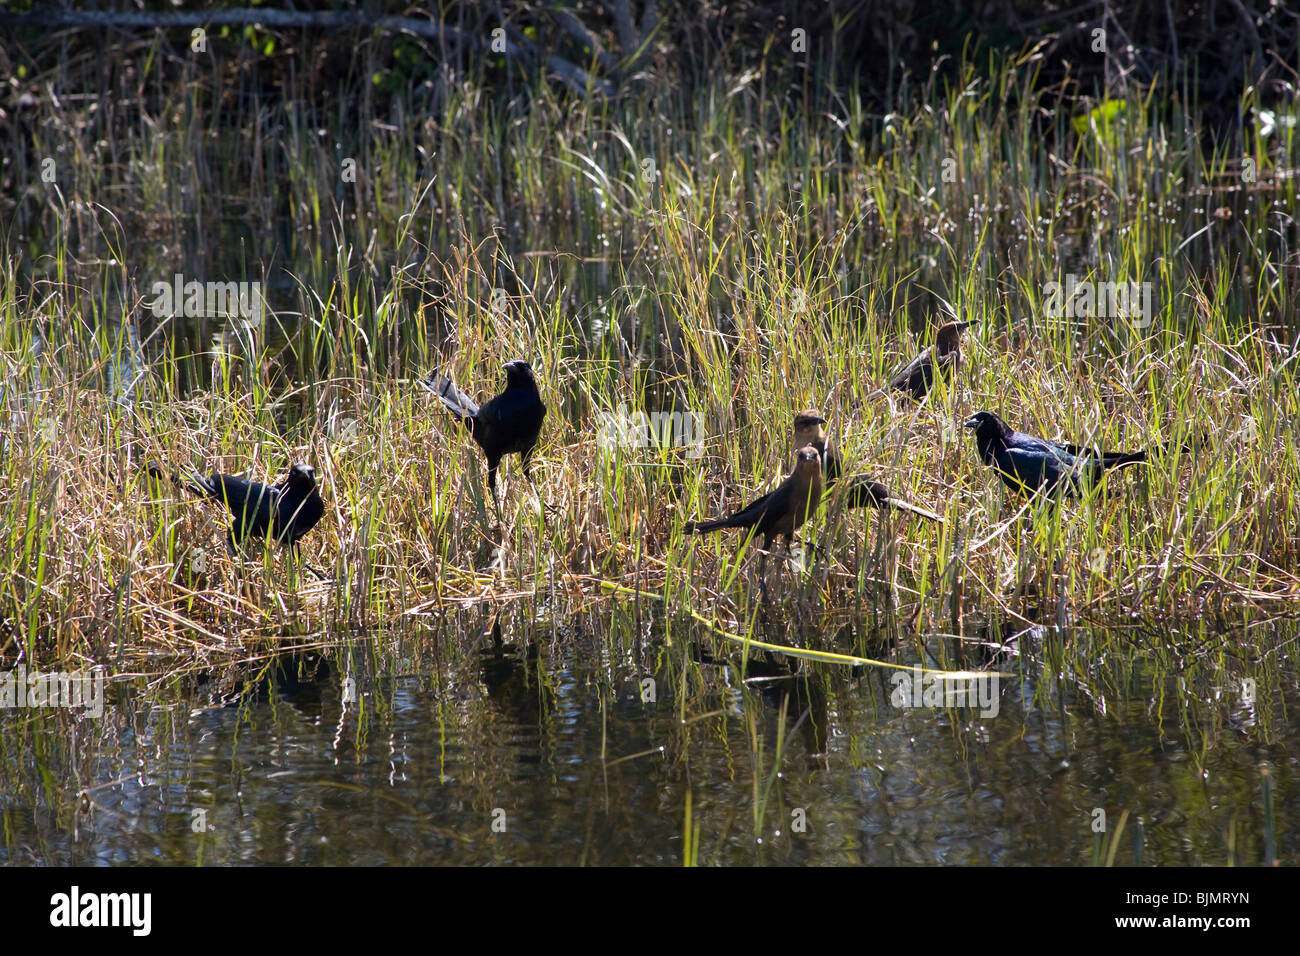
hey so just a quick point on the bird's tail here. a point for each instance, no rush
(1106, 459)
(915, 509)
(1190, 446)
(704, 527)
(863, 492)
(156, 470)
(193, 482)
(1119, 460)
(452, 398)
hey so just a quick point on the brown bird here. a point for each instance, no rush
(860, 490)
(779, 513)
(942, 358)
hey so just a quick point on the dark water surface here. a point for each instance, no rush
(532, 743)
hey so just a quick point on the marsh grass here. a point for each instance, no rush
(741, 256)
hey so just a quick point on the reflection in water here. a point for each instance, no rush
(797, 692)
(295, 677)
(519, 693)
(522, 742)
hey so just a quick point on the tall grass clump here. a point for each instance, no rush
(736, 256)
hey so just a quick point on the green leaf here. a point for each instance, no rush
(1100, 119)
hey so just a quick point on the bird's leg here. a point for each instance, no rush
(814, 547)
(297, 555)
(767, 547)
(236, 556)
(492, 486)
(546, 506)
(237, 562)
(818, 553)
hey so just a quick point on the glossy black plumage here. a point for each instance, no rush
(1034, 465)
(508, 424)
(285, 512)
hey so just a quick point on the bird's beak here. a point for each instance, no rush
(972, 423)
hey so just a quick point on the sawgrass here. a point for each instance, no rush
(739, 256)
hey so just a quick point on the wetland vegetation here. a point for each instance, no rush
(733, 232)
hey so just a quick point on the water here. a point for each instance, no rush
(541, 743)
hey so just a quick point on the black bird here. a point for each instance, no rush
(779, 513)
(916, 377)
(286, 511)
(508, 424)
(1035, 465)
(860, 491)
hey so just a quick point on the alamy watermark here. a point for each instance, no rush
(72, 689)
(128, 910)
(1114, 300)
(917, 688)
(635, 429)
(195, 299)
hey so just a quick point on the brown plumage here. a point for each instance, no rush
(940, 359)
(860, 491)
(779, 513)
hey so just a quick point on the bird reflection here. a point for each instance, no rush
(514, 681)
(296, 677)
